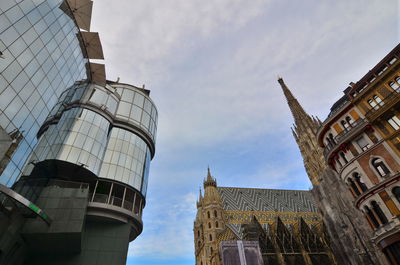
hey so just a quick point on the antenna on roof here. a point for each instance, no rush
(117, 80)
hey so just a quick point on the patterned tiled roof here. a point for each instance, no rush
(266, 200)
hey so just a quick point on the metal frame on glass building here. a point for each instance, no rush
(75, 148)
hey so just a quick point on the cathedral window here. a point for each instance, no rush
(394, 122)
(216, 224)
(396, 193)
(377, 209)
(215, 213)
(198, 233)
(208, 214)
(380, 167)
(210, 237)
(209, 225)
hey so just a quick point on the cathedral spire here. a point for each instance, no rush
(209, 181)
(304, 131)
(297, 110)
(200, 200)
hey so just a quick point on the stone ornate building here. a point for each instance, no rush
(353, 162)
(284, 224)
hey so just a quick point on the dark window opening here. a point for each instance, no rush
(380, 167)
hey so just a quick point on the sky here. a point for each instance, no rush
(212, 68)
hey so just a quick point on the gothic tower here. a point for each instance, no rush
(304, 131)
(344, 223)
(209, 221)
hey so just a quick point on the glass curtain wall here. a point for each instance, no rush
(41, 57)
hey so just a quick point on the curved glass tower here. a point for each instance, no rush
(102, 135)
(75, 149)
(41, 56)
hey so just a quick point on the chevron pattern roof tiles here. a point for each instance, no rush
(266, 200)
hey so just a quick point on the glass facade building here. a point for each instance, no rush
(109, 129)
(75, 149)
(41, 57)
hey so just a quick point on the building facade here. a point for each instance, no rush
(75, 148)
(282, 226)
(41, 57)
(358, 144)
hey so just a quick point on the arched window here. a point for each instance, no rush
(208, 214)
(331, 137)
(339, 162)
(371, 216)
(215, 213)
(380, 167)
(396, 193)
(353, 186)
(345, 125)
(379, 212)
(349, 120)
(328, 142)
(216, 224)
(343, 156)
(210, 237)
(198, 233)
(209, 225)
(359, 181)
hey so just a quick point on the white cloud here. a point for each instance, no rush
(140, 34)
(212, 66)
(168, 233)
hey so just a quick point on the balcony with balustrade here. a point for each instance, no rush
(355, 129)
